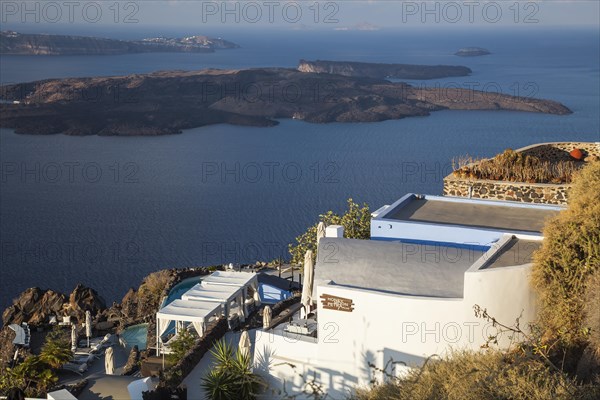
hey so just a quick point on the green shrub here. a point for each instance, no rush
(36, 374)
(181, 345)
(569, 255)
(231, 377)
(356, 222)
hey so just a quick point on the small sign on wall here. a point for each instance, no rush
(336, 303)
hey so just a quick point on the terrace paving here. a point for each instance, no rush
(509, 218)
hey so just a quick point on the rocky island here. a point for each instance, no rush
(383, 71)
(472, 52)
(38, 44)
(168, 102)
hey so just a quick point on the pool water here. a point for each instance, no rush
(178, 290)
(272, 295)
(135, 335)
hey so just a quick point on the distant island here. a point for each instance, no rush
(383, 71)
(168, 102)
(472, 52)
(15, 43)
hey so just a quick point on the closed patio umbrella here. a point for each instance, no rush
(320, 231)
(244, 346)
(267, 317)
(88, 326)
(307, 283)
(73, 338)
(109, 361)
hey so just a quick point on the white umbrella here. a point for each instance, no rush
(307, 284)
(88, 326)
(267, 317)
(320, 231)
(244, 346)
(73, 338)
(109, 361)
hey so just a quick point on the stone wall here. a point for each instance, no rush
(509, 191)
(520, 191)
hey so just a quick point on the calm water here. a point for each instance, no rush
(106, 211)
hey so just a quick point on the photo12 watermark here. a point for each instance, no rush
(70, 12)
(269, 172)
(270, 12)
(69, 172)
(68, 252)
(470, 12)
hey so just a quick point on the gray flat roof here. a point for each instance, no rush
(515, 252)
(473, 214)
(401, 268)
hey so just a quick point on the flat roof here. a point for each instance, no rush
(229, 278)
(211, 292)
(477, 214)
(395, 267)
(515, 252)
(188, 310)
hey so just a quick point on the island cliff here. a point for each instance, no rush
(170, 101)
(37, 44)
(383, 71)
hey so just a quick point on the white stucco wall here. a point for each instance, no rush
(382, 229)
(403, 328)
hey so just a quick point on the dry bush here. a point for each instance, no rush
(512, 166)
(482, 375)
(592, 310)
(569, 255)
(152, 287)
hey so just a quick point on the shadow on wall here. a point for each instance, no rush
(306, 382)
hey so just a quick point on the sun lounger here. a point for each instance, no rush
(80, 358)
(97, 344)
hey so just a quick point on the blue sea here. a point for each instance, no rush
(106, 211)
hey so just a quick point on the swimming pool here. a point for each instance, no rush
(135, 335)
(178, 290)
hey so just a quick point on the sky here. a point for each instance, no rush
(65, 15)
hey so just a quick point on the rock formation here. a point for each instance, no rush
(170, 101)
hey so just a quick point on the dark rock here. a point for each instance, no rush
(34, 306)
(105, 325)
(84, 299)
(7, 350)
(132, 364)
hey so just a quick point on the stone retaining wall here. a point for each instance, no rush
(509, 191)
(520, 191)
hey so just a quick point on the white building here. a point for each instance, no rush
(408, 293)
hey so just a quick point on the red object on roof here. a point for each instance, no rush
(577, 154)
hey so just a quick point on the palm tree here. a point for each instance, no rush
(231, 377)
(55, 352)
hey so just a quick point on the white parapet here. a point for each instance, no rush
(334, 231)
